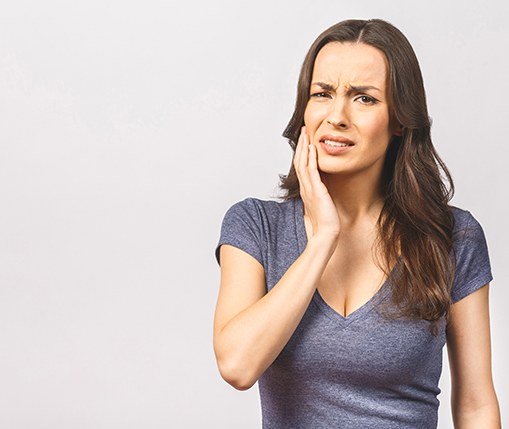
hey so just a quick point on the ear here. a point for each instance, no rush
(398, 130)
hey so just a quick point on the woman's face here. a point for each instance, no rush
(347, 115)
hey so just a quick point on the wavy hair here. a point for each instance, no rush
(415, 225)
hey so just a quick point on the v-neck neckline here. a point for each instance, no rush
(380, 295)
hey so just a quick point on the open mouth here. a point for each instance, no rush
(333, 143)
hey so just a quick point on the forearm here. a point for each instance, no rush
(473, 398)
(247, 344)
(486, 417)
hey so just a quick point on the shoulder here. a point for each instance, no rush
(267, 206)
(262, 211)
(253, 225)
(466, 226)
(471, 254)
(462, 218)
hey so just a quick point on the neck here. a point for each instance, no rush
(355, 196)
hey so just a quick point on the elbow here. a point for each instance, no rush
(239, 383)
(237, 375)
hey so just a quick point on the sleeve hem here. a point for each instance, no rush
(239, 245)
(472, 286)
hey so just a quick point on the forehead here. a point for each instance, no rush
(356, 63)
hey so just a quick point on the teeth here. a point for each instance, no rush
(335, 144)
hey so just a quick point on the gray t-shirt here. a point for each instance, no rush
(359, 371)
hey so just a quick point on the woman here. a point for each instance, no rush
(340, 298)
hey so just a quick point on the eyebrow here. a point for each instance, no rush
(351, 88)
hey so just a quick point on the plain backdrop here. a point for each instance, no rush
(128, 128)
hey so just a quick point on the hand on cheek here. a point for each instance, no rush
(318, 204)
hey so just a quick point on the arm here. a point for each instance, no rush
(251, 327)
(473, 399)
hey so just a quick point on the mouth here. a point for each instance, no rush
(336, 141)
(336, 145)
(333, 143)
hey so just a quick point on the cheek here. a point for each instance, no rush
(312, 117)
(377, 126)
(307, 116)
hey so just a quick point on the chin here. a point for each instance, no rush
(332, 166)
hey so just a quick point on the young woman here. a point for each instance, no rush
(339, 299)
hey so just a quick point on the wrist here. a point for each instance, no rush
(324, 239)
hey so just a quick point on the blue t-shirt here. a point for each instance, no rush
(360, 371)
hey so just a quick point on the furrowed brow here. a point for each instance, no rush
(361, 88)
(324, 86)
(350, 90)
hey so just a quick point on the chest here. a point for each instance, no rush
(366, 348)
(353, 274)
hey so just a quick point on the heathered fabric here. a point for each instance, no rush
(359, 371)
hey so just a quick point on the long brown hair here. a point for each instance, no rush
(416, 223)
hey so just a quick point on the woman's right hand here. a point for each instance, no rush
(319, 207)
(251, 325)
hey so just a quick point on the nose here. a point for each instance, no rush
(338, 115)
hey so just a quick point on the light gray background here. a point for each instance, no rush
(126, 131)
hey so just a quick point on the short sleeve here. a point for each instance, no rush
(473, 269)
(241, 228)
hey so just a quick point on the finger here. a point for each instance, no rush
(300, 161)
(303, 160)
(304, 155)
(298, 151)
(313, 173)
(312, 162)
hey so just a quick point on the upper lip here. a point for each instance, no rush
(339, 139)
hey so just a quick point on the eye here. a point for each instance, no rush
(365, 99)
(321, 95)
